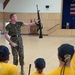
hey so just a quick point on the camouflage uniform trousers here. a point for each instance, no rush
(18, 51)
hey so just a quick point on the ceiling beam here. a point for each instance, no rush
(5, 3)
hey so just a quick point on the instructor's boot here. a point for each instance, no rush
(22, 70)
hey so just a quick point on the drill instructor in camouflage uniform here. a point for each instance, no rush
(15, 40)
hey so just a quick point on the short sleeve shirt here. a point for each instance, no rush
(68, 71)
(8, 69)
(14, 29)
(36, 73)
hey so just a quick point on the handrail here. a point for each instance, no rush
(53, 27)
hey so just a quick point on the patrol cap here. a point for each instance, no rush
(65, 49)
(40, 63)
(4, 51)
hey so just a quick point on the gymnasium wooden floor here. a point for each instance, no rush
(35, 48)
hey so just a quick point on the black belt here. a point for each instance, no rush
(15, 35)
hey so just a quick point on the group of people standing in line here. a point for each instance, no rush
(66, 58)
(65, 53)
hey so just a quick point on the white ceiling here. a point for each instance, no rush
(2, 1)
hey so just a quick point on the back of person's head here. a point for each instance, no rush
(65, 54)
(4, 53)
(40, 64)
(65, 51)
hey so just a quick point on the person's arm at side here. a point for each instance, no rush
(8, 39)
